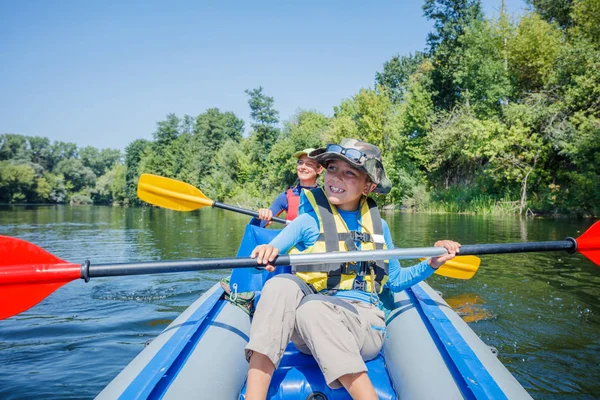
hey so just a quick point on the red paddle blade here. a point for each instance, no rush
(588, 244)
(28, 274)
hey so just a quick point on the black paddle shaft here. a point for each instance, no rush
(569, 244)
(244, 211)
(157, 267)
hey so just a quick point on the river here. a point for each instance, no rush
(540, 310)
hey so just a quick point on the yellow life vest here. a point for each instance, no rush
(335, 236)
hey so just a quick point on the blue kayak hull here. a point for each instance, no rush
(429, 352)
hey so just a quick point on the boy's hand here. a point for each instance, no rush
(265, 214)
(265, 254)
(452, 247)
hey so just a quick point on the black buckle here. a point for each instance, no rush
(359, 285)
(360, 236)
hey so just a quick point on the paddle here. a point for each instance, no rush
(180, 196)
(28, 273)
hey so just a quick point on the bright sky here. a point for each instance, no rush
(102, 73)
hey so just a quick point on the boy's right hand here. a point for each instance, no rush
(265, 214)
(265, 254)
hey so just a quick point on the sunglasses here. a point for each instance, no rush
(308, 163)
(352, 154)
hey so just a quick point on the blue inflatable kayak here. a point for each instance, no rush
(429, 353)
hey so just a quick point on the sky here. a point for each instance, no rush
(103, 73)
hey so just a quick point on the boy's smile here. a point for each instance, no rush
(345, 185)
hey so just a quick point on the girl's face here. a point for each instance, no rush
(307, 169)
(344, 185)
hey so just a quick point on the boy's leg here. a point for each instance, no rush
(340, 335)
(271, 329)
(275, 316)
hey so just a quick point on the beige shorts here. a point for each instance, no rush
(341, 335)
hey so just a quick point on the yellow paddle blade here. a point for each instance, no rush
(170, 193)
(460, 267)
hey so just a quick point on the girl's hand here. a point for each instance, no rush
(452, 247)
(265, 254)
(265, 214)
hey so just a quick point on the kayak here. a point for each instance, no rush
(429, 352)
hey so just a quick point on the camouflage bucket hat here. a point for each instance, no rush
(363, 156)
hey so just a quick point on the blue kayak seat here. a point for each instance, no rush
(299, 377)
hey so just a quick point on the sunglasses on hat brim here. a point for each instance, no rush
(354, 155)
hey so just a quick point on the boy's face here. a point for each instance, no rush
(344, 185)
(307, 169)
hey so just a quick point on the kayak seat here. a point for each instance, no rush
(299, 377)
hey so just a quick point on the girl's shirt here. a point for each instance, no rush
(303, 232)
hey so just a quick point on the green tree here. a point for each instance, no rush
(133, 154)
(61, 151)
(40, 150)
(17, 182)
(396, 73)
(99, 161)
(533, 53)
(13, 147)
(481, 76)
(558, 11)
(451, 19)
(211, 130)
(76, 175)
(265, 119)
(586, 17)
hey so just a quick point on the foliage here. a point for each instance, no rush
(557, 11)
(451, 18)
(396, 74)
(264, 117)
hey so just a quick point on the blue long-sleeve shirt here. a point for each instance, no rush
(303, 232)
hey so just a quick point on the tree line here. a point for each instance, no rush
(495, 115)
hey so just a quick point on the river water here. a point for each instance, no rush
(541, 311)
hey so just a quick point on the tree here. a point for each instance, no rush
(133, 154)
(586, 18)
(40, 150)
(533, 53)
(13, 147)
(396, 73)
(99, 161)
(558, 11)
(212, 129)
(61, 151)
(17, 182)
(76, 174)
(264, 117)
(481, 76)
(451, 19)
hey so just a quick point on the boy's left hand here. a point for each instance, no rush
(450, 245)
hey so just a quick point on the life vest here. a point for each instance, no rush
(293, 202)
(335, 236)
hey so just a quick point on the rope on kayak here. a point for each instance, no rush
(244, 300)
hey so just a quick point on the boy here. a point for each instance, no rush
(332, 311)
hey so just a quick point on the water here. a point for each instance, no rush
(539, 310)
